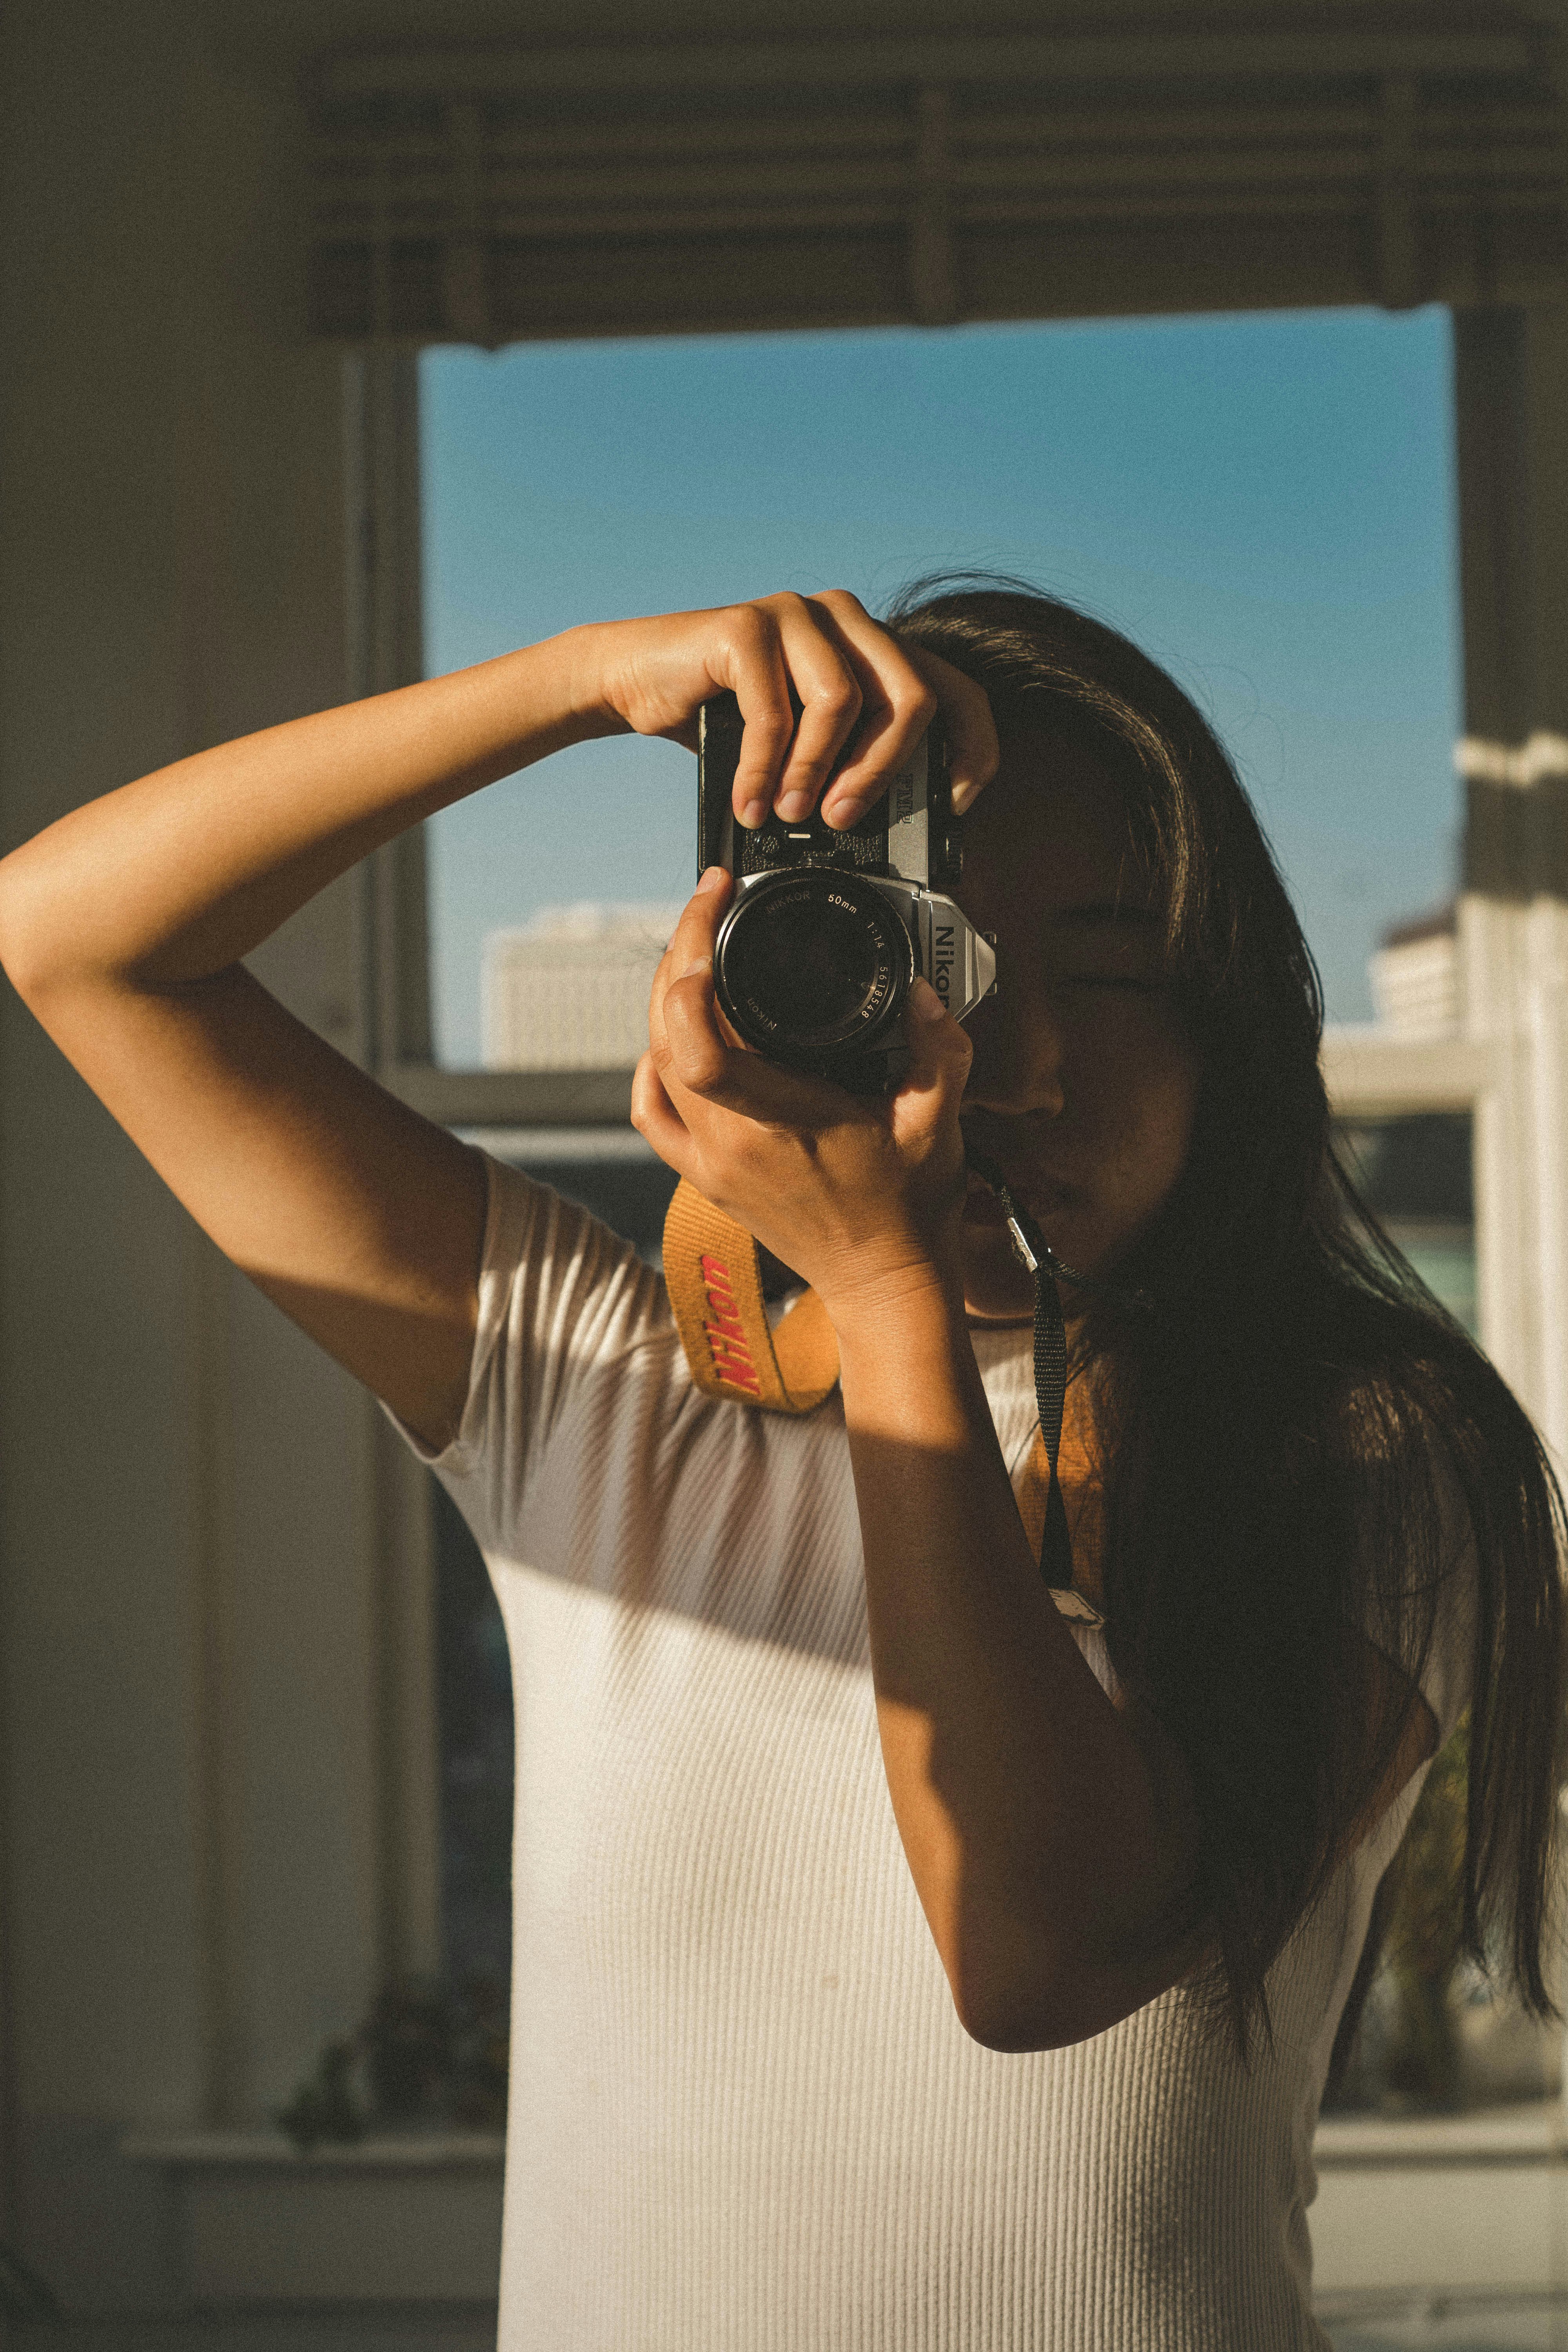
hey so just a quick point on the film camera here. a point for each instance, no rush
(827, 931)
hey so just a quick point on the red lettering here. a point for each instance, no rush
(726, 1333)
(729, 1345)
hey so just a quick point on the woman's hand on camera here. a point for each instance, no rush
(861, 1198)
(851, 677)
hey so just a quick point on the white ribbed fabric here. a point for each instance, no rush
(744, 2116)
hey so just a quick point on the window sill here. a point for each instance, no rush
(412, 2151)
(1376, 1073)
(1531, 2132)
(1447, 2204)
(1439, 2205)
(406, 2218)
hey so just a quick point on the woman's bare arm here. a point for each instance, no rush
(125, 925)
(1051, 1834)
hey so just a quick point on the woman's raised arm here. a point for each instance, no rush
(123, 926)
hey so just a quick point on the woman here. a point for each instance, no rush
(760, 2099)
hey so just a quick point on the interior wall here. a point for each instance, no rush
(190, 1662)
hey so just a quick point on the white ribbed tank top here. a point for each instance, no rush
(744, 2116)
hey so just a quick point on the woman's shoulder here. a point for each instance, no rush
(564, 1301)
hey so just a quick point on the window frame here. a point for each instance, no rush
(385, 635)
(1369, 1074)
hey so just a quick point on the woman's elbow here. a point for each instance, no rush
(1051, 2022)
(1048, 2004)
(30, 945)
(1066, 1998)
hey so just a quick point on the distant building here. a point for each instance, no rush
(1415, 978)
(570, 990)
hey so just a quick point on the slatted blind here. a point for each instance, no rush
(487, 195)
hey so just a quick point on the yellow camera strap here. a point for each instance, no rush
(714, 1279)
(713, 1275)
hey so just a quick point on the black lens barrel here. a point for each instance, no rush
(813, 966)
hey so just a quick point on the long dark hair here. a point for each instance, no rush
(1302, 1444)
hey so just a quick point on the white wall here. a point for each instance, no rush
(192, 1669)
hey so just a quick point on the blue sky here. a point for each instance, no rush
(1264, 503)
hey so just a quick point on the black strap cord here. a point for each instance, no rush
(1032, 1250)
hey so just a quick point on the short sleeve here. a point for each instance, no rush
(560, 1298)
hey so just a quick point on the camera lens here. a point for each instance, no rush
(808, 962)
(813, 963)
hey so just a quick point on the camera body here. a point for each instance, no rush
(827, 932)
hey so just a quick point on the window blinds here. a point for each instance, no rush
(487, 195)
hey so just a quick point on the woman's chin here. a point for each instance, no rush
(996, 1288)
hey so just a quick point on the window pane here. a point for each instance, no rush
(1263, 502)
(1435, 2037)
(1415, 1175)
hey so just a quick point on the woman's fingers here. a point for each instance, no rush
(831, 699)
(851, 678)
(687, 1038)
(922, 686)
(694, 1051)
(974, 753)
(699, 1063)
(813, 675)
(656, 1119)
(690, 945)
(899, 705)
(925, 1109)
(760, 682)
(902, 688)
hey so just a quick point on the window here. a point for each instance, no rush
(1264, 503)
(1435, 2036)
